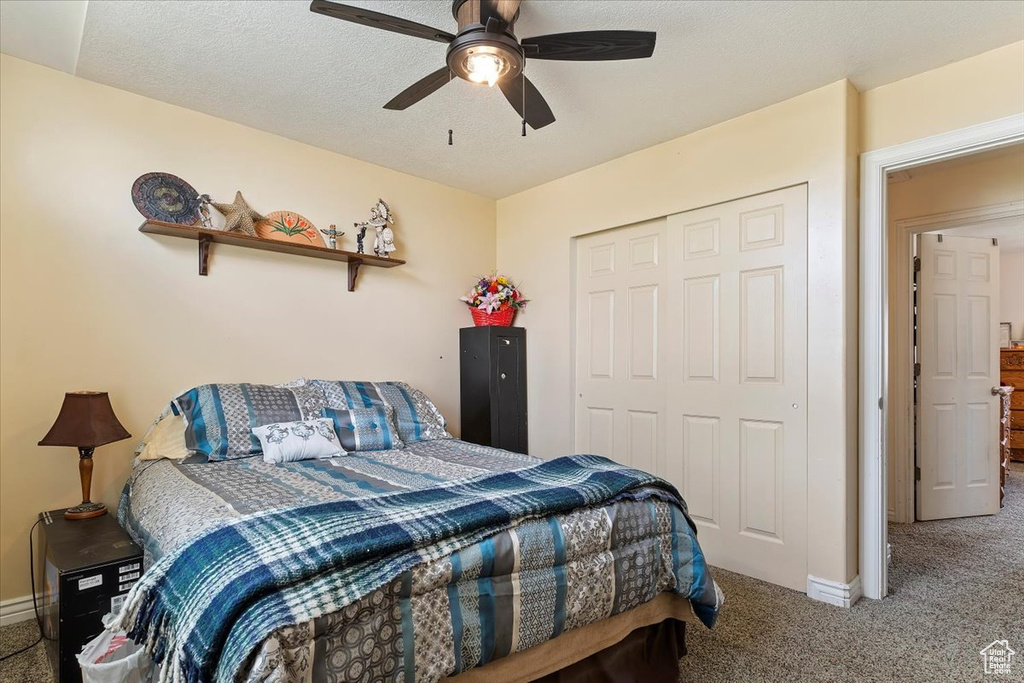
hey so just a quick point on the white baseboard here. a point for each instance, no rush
(16, 609)
(834, 592)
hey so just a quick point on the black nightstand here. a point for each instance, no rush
(89, 567)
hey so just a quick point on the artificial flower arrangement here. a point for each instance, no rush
(494, 300)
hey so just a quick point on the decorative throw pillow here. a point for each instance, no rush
(219, 418)
(416, 416)
(291, 384)
(165, 440)
(300, 440)
(365, 429)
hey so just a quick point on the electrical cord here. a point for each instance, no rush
(35, 606)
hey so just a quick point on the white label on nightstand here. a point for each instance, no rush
(90, 582)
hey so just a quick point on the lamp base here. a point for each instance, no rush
(86, 511)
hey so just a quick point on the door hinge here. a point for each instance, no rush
(917, 369)
(917, 264)
(879, 403)
(917, 473)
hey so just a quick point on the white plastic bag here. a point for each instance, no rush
(114, 658)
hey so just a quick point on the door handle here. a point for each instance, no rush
(1001, 391)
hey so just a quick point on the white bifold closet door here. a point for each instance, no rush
(691, 358)
(957, 411)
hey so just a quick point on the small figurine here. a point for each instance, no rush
(384, 243)
(380, 218)
(359, 238)
(332, 236)
(204, 211)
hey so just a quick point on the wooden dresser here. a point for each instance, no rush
(1011, 372)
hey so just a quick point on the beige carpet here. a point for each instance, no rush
(955, 586)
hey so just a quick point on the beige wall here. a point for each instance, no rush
(805, 139)
(813, 138)
(996, 178)
(1011, 290)
(87, 302)
(963, 184)
(983, 88)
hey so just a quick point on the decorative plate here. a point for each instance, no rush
(166, 197)
(288, 226)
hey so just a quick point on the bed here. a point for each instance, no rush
(514, 600)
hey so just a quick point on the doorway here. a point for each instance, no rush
(877, 408)
(913, 198)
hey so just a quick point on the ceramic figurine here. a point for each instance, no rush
(332, 236)
(359, 238)
(204, 211)
(380, 218)
(385, 242)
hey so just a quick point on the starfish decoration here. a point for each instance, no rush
(239, 216)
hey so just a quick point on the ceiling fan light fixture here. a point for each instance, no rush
(485, 58)
(485, 67)
(485, 49)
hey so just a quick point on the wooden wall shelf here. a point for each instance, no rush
(206, 237)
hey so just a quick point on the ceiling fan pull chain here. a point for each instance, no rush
(450, 143)
(523, 76)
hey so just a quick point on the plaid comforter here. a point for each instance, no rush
(212, 603)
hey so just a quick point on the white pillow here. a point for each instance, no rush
(165, 440)
(302, 440)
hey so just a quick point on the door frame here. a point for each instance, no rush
(874, 403)
(901, 385)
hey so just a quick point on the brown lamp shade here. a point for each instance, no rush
(85, 420)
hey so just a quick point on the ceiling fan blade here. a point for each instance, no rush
(591, 46)
(420, 89)
(538, 113)
(503, 10)
(366, 17)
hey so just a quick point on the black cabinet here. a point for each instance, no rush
(90, 565)
(493, 381)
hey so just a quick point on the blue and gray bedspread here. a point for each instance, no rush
(398, 565)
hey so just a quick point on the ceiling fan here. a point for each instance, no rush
(485, 50)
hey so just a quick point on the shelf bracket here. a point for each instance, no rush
(204, 254)
(353, 272)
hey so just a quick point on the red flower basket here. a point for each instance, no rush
(503, 318)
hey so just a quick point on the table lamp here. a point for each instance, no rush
(86, 420)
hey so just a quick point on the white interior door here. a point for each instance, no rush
(620, 379)
(691, 362)
(957, 413)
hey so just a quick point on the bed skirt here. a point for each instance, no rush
(553, 658)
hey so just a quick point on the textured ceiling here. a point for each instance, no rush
(278, 67)
(46, 33)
